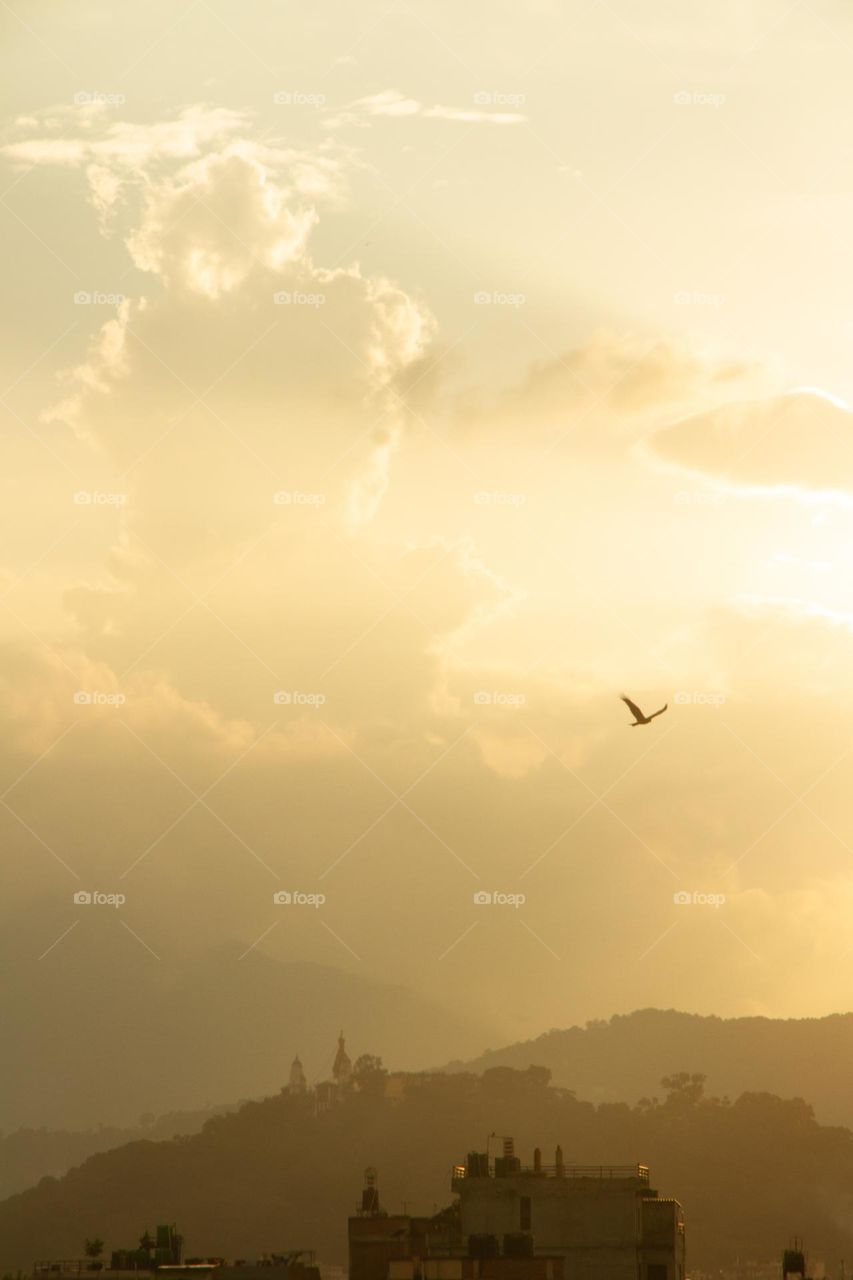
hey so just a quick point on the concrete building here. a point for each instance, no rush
(515, 1222)
(604, 1220)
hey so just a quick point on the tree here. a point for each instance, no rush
(368, 1074)
(684, 1089)
(93, 1249)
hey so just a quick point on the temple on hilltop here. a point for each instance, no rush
(328, 1093)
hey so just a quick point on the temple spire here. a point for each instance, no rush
(342, 1070)
(298, 1083)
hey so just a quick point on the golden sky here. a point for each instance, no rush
(387, 388)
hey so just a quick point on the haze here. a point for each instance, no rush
(387, 389)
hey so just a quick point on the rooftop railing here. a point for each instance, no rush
(639, 1172)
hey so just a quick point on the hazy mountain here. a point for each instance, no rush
(274, 1175)
(625, 1057)
(28, 1155)
(99, 1035)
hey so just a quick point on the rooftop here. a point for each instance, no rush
(639, 1172)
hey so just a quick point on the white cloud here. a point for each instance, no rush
(393, 104)
(801, 440)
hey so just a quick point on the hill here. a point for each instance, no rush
(28, 1155)
(184, 1032)
(625, 1057)
(274, 1175)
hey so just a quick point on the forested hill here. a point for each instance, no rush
(625, 1057)
(274, 1176)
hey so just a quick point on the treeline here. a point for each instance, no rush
(751, 1172)
(624, 1057)
(28, 1154)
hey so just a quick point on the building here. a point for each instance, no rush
(164, 1248)
(515, 1222)
(328, 1093)
(297, 1082)
(604, 1220)
(342, 1068)
(160, 1257)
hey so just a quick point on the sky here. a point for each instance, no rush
(386, 390)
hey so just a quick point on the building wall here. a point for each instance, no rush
(606, 1229)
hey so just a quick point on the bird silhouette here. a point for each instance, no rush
(639, 718)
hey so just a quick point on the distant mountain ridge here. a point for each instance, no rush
(28, 1155)
(98, 1034)
(625, 1057)
(608, 1061)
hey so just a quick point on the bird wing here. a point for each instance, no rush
(632, 707)
(659, 713)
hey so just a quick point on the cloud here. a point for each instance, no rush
(71, 135)
(619, 377)
(319, 354)
(802, 440)
(393, 104)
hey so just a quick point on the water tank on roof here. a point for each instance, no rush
(483, 1246)
(518, 1244)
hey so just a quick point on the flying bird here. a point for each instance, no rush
(639, 718)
